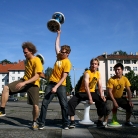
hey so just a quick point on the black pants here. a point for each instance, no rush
(124, 103)
(82, 96)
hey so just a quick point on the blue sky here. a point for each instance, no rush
(91, 28)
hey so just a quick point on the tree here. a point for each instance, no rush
(120, 52)
(77, 87)
(6, 61)
(133, 78)
(68, 84)
(48, 73)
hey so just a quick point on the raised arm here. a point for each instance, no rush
(57, 42)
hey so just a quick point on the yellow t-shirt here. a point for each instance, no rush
(93, 79)
(32, 67)
(118, 85)
(60, 67)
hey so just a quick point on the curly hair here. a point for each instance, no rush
(67, 48)
(31, 47)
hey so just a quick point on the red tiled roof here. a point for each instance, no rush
(119, 57)
(4, 68)
(18, 66)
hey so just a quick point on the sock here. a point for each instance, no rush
(2, 108)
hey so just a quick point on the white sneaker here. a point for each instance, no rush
(35, 126)
(105, 124)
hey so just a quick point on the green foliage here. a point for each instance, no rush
(133, 78)
(68, 84)
(77, 87)
(6, 61)
(48, 73)
(120, 52)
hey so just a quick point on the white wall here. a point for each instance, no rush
(9, 78)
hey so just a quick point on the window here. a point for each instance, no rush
(18, 78)
(134, 68)
(3, 74)
(18, 72)
(13, 78)
(119, 61)
(110, 75)
(13, 72)
(110, 68)
(7, 80)
(2, 86)
(111, 61)
(134, 61)
(126, 61)
(127, 68)
(2, 80)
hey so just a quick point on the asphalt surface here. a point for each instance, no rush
(18, 120)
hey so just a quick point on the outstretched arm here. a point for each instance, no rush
(34, 78)
(129, 96)
(100, 89)
(112, 97)
(57, 42)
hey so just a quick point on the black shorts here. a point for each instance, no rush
(124, 103)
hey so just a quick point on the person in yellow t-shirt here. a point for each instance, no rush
(29, 83)
(116, 85)
(91, 78)
(57, 84)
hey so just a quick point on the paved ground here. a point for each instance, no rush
(17, 122)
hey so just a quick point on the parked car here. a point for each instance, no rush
(14, 99)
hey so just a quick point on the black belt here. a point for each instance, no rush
(51, 82)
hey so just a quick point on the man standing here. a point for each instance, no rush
(29, 83)
(57, 84)
(91, 78)
(116, 85)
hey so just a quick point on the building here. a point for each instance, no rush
(10, 73)
(13, 72)
(107, 63)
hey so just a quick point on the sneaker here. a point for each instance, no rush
(66, 127)
(2, 113)
(72, 125)
(100, 124)
(35, 126)
(41, 127)
(105, 124)
(130, 124)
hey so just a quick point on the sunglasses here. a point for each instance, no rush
(63, 52)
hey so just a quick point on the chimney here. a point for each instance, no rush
(105, 54)
(131, 53)
(117, 53)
